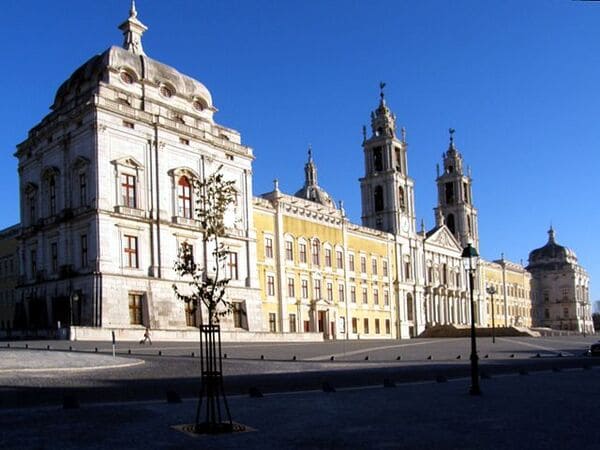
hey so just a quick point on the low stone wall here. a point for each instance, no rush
(440, 331)
(190, 334)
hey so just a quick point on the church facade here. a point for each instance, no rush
(107, 201)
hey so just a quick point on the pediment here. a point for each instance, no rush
(128, 161)
(442, 237)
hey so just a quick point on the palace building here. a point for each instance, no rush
(107, 201)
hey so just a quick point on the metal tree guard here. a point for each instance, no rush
(217, 417)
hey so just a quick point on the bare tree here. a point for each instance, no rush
(206, 289)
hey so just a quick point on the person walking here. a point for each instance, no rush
(146, 337)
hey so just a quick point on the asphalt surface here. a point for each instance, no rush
(270, 367)
(545, 410)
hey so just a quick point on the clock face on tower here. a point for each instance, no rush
(404, 225)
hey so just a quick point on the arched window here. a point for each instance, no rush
(409, 307)
(52, 195)
(378, 197)
(184, 197)
(450, 223)
(469, 226)
(316, 251)
(401, 201)
(378, 159)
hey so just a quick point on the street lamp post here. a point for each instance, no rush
(492, 290)
(470, 259)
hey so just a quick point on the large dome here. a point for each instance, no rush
(552, 253)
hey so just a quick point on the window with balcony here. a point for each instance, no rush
(129, 190)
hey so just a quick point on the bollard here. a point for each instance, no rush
(70, 348)
(47, 347)
(294, 358)
(26, 345)
(129, 352)
(8, 345)
(262, 356)
(193, 354)
(173, 397)
(95, 349)
(70, 401)
(332, 358)
(160, 353)
(327, 387)
(254, 392)
(225, 355)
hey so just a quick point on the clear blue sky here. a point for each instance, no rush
(518, 80)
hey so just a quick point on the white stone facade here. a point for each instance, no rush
(107, 199)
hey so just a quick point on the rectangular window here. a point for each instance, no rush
(84, 250)
(291, 288)
(128, 124)
(82, 189)
(363, 264)
(387, 326)
(135, 309)
(270, 285)
(131, 251)
(385, 268)
(272, 322)
(289, 250)
(184, 198)
(386, 298)
(302, 252)
(339, 256)
(232, 266)
(317, 289)
(365, 297)
(376, 296)
(184, 141)
(449, 193)
(128, 191)
(292, 323)
(239, 312)
(407, 271)
(457, 279)
(366, 326)
(351, 262)
(342, 322)
(304, 288)
(341, 295)
(33, 266)
(54, 257)
(327, 257)
(268, 247)
(330, 292)
(374, 266)
(565, 313)
(353, 294)
(191, 319)
(354, 325)
(377, 329)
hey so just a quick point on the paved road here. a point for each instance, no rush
(177, 370)
(549, 410)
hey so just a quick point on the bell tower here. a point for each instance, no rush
(387, 192)
(455, 198)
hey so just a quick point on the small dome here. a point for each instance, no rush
(552, 253)
(311, 190)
